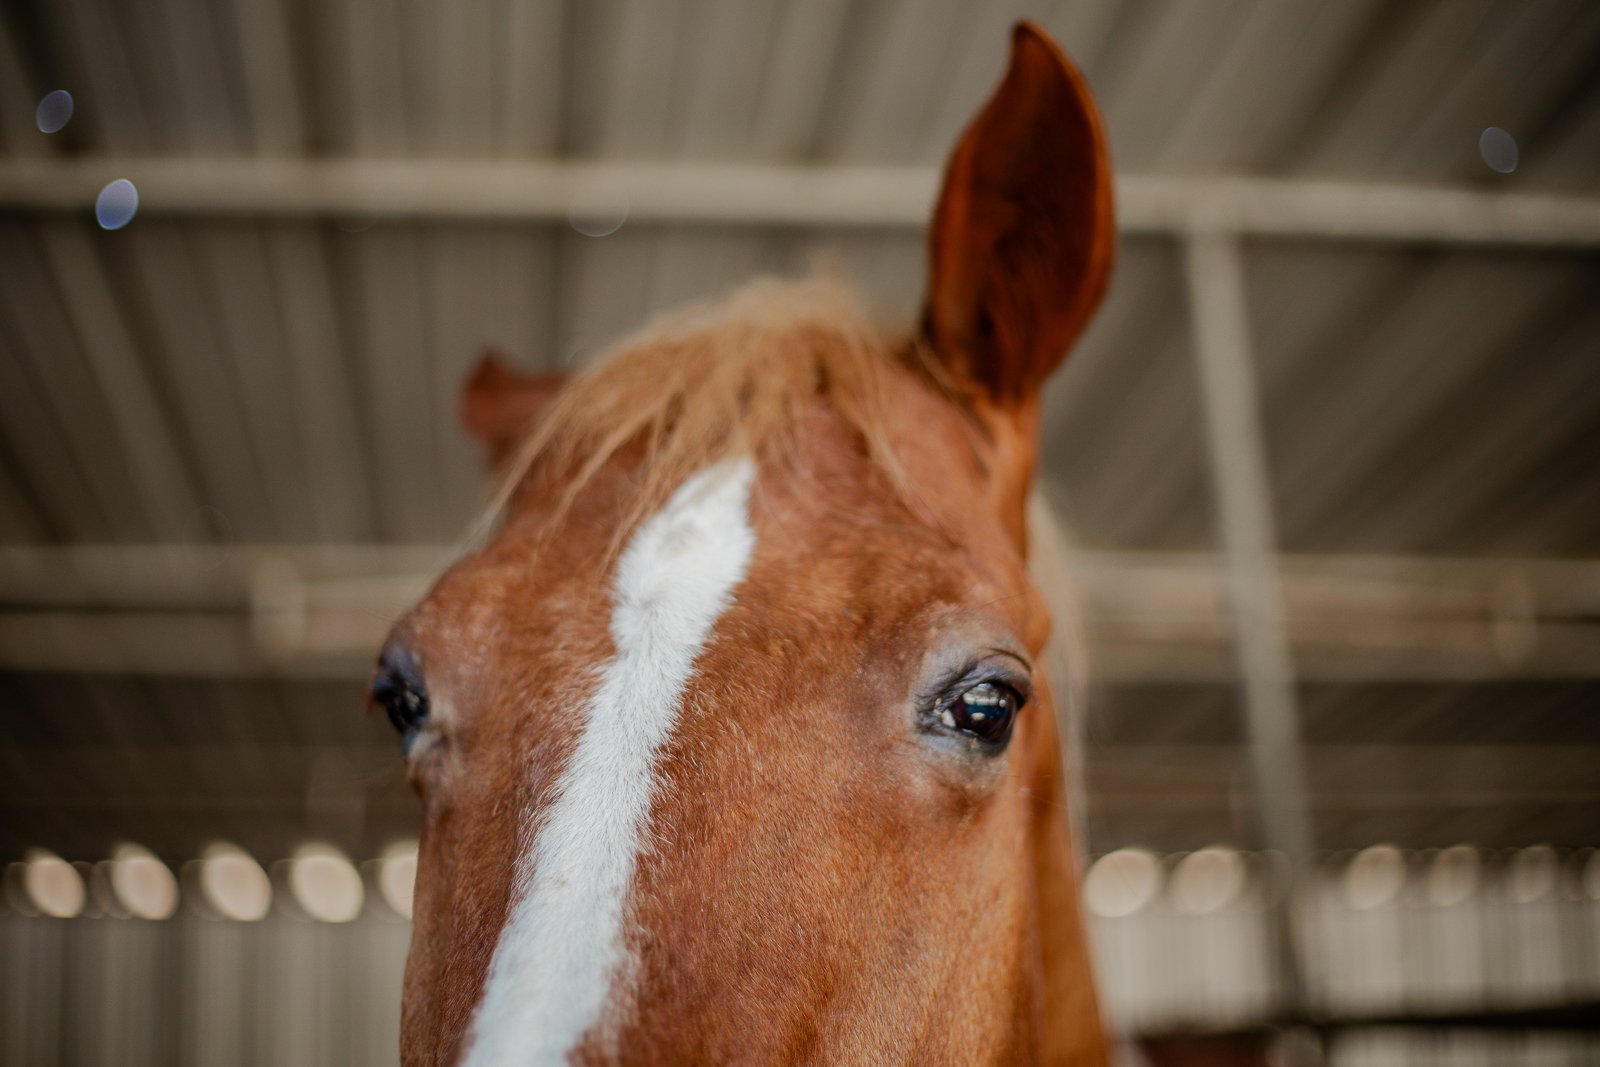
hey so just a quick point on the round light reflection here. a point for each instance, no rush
(54, 887)
(1498, 150)
(1591, 877)
(1375, 877)
(326, 884)
(54, 111)
(598, 212)
(116, 205)
(1122, 882)
(397, 875)
(1452, 876)
(1206, 881)
(233, 883)
(142, 883)
(1535, 872)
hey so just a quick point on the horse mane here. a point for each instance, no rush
(713, 380)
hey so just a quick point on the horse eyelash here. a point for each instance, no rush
(976, 672)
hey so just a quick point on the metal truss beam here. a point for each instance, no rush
(778, 195)
(1152, 616)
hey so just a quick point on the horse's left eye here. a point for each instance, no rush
(397, 688)
(986, 711)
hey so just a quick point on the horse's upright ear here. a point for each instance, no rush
(1022, 239)
(500, 404)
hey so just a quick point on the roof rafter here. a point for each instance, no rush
(761, 194)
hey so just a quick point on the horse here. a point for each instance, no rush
(733, 733)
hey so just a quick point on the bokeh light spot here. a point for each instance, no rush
(233, 883)
(1375, 877)
(397, 875)
(326, 884)
(599, 213)
(1207, 881)
(143, 884)
(1498, 149)
(53, 885)
(54, 111)
(1122, 883)
(116, 205)
(1453, 876)
(1534, 874)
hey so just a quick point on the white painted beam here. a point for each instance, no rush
(779, 195)
(330, 640)
(1152, 616)
(1172, 584)
(1236, 457)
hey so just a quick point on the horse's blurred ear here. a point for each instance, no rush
(500, 404)
(1022, 239)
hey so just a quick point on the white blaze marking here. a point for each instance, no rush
(562, 948)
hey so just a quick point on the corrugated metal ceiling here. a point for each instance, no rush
(247, 380)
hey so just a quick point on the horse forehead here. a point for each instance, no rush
(904, 561)
(563, 953)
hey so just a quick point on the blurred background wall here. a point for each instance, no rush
(1330, 458)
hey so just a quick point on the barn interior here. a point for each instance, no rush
(1328, 461)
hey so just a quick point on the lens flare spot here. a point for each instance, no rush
(1498, 149)
(599, 213)
(54, 111)
(116, 205)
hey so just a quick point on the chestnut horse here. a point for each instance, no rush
(733, 741)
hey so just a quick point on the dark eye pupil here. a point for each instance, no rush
(986, 711)
(403, 699)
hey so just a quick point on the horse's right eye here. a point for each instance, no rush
(397, 688)
(985, 711)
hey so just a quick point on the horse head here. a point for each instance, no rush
(733, 737)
